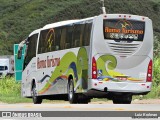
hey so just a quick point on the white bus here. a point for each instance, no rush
(106, 56)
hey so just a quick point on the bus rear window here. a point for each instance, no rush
(121, 29)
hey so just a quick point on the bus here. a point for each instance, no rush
(106, 56)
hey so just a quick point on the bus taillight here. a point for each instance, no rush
(149, 72)
(94, 68)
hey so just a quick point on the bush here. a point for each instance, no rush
(156, 72)
(155, 92)
(8, 86)
(10, 91)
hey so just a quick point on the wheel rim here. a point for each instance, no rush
(34, 93)
(71, 91)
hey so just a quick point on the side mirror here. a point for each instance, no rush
(19, 55)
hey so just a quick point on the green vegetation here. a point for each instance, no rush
(19, 18)
(10, 91)
(155, 92)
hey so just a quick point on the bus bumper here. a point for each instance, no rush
(130, 87)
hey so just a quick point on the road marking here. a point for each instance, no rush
(59, 107)
(119, 109)
(68, 107)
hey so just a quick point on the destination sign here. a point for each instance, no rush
(124, 30)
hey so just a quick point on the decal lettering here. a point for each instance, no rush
(48, 63)
(124, 30)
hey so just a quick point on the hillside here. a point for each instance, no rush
(20, 17)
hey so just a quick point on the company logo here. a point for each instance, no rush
(125, 25)
(124, 29)
(50, 38)
(47, 63)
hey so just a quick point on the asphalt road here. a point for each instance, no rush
(78, 111)
(79, 107)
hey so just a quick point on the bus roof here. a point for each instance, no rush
(126, 16)
(58, 24)
(34, 32)
(67, 22)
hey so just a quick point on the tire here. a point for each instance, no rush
(122, 99)
(72, 97)
(36, 99)
(83, 99)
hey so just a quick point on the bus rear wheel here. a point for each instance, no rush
(72, 97)
(122, 99)
(36, 99)
(83, 99)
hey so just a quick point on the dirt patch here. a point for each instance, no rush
(2, 103)
(136, 101)
(148, 101)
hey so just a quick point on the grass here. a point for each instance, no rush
(10, 91)
(155, 93)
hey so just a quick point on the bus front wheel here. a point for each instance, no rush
(36, 99)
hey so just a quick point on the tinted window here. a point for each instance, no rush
(66, 37)
(2, 68)
(58, 32)
(31, 48)
(87, 34)
(69, 37)
(6, 68)
(124, 30)
(47, 41)
(76, 35)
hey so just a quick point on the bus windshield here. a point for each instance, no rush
(122, 29)
(2, 68)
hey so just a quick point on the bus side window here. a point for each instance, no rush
(57, 38)
(82, 32)
(31, 49)
(76, 36)
(6, 68)
(87, 33)
(49, 40)
(69, 37)
(42, 46)
(67, 45)
(63, 38)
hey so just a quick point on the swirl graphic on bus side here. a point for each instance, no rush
(75, 66)
(106, 63)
